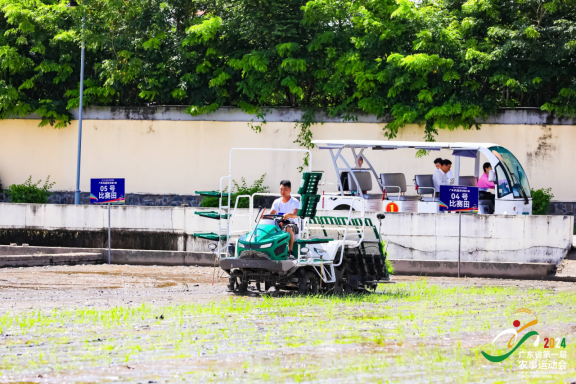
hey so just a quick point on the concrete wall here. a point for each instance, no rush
(495, 238)
(165, 151)
(541, 239)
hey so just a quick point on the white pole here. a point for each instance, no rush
(456, 170)
(477, 165)
(459, 239)
(109, 246)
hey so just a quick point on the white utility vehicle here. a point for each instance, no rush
(511, 195)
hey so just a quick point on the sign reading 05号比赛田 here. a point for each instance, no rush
(458, 198)
(107, 191)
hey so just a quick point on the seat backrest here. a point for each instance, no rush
(363, 177)
(394, 180)
(468, 181)
(425, 181)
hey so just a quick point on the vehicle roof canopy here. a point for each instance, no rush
(386, 144)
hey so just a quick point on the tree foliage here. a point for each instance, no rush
(442, 64)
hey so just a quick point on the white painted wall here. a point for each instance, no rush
(543, 239)
(180, 157)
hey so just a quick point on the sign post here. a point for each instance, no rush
(457, 198)
(107, 191)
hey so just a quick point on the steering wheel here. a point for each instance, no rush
(272, 216)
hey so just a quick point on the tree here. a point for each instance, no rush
(441, 64)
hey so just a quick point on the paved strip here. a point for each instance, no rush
(11, 261)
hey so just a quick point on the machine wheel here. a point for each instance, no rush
(348, 289)
(308, 284)
(243, 288)
(338, 285)
(343, 207)
(232, 283)
(236, 285)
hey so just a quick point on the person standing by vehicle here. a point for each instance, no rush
(288, 207)
(438, 164)
(440, 176)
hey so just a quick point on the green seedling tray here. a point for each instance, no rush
(308, 206)
(209, 236)
(211, 193)
(309, 183)
(211, 215)
(313, 241)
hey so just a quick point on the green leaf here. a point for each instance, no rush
(425, 96)
(531, 33)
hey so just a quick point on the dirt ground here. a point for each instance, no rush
(113, 285)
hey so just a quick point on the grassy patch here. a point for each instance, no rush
(406, 332)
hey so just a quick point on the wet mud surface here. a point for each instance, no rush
(101, 323)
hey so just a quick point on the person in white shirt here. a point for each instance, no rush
(440, 176)
(438, 163)
(288, 207)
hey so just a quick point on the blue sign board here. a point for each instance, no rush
(107, 191)
(458, 198)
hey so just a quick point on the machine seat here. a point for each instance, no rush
(468, 181)
(364, 177)
(395, 183)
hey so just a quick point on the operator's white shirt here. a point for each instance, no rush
(440, 178)
(287, 207)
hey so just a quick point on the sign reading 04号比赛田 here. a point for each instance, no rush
(107, 191)
(458, 198)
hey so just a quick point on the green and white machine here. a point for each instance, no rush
(331, 253)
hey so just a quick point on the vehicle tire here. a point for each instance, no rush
(343, 207)
(348, 290)
(236, 285)
(308, 284)
(243, 288)
(233, 283)
(339, 284)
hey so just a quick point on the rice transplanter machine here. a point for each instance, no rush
(351, 259)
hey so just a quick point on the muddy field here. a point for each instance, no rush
(105, 323)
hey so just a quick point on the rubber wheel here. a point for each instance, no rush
(343, 208)
(243, 288)
(308, 284)
(339, 284)
(233, 283)
(348, 289)
(236, 285)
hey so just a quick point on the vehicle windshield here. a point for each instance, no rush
(518, 178)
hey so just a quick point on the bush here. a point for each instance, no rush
(30, 193)
(541, 200)
(239, 189)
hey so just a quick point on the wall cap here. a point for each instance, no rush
(529, 116)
